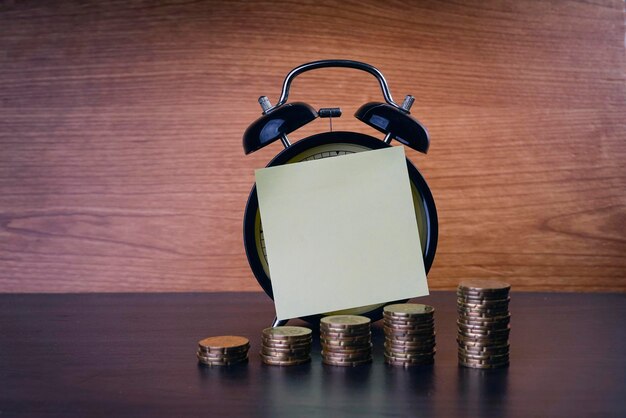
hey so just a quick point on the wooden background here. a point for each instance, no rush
(121, 167)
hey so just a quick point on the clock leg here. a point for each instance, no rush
(278, 323)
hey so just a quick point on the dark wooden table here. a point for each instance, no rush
(133, 355)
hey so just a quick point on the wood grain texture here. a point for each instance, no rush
(121, 167)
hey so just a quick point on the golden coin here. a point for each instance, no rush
(483, 366)
(410, 339)
(223, 352)
(408, 333)
(485, 357)
(485, 321)
(408, 309)
(347, 349)
(410, 355)
(277, 362)
(284, 353)
(221, 356)
(484, 286)
(404, 349)
(223, 342)
(409, 362)
(496, 326)
(345, 332)
(400, 363)
(402, 321)
(330, 355)
(285, 343)
(220, 362)
(287, 333)
(353, 333)
(347, 363)
(346, 342)
(493, 349)
(344, 321)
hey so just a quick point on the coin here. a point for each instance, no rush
(345, 343)
(474, 297)
(220, 362)
(408, 361)
(478, 297)
(349, 334)
(411, 355)
(400, 363)
(483, 365)
(347, 363)
(280, 362)
(399, 334)
(217, 361)
(344, 321)
(346, 356)
(489, 307)
(409, 348)
(346, 332)
(391, 350)
(214, 353)
(482, 342)
(224, 343)
(484, 285)
(482, 298)
(218, 356)
(482, 333)
(342, 349)
(482, 307)
(286, 346)
(281, 352)
(222, 350)
(409, 334)
(496, 326)
(285, 343)
(486, 358)
(506, 318)
(483, 323)
(408, 324)
(408, 320)
(287, 333)
(494, 349)
(408, 309)
(213, 357)
(397, 326)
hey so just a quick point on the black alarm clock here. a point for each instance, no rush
(393, 120)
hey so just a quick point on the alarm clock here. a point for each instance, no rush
(394, 121)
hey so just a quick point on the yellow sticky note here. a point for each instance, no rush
(340, 232)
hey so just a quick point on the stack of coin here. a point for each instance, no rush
(409, 334)
(346, 340)
(286, 346)
(483, 336)
(223, 351)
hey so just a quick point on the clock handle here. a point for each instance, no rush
(357, 65)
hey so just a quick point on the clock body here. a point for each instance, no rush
(328, 145)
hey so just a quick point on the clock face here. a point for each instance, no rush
(327, 145)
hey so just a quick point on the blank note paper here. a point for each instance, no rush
(340, 232)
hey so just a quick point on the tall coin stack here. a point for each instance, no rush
(483, 335)
(346, 340)
(409, 334)
(286, 346)
(223, 351)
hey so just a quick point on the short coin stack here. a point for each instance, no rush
(346, 340)
(223, 351)
(286, 346)
(409, 334)
(483, 336)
